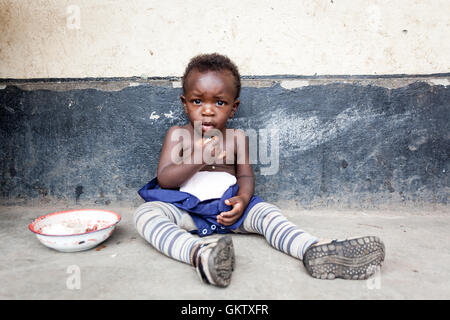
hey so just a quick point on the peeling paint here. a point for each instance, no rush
(169, 115)
(176, 84)
(292, 84)
(264, 83)
(286, 82)
(110, 86)
(154, 116)
(439, 82)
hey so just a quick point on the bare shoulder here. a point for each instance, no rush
(174, 128)
(175, 132)
(174, 136)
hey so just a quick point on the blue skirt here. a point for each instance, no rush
(202, 212)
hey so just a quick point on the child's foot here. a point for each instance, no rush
(214, 260)
(356, 258)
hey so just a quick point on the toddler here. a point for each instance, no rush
(205, 186)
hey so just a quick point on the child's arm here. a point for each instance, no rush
(172, 174)
(246, 182)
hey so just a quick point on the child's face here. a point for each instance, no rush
(210, 98)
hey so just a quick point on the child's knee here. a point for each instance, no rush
(148, 207)
(144, 213)
(264, 211)
(142, 209)
(271, 206)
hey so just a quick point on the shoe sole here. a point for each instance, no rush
(221, 262)
(355, 259)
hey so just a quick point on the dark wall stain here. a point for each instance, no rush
(78, 192)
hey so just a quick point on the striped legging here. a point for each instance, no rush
(166, 228)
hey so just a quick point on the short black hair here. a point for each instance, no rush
(213, 62)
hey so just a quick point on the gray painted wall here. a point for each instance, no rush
(344, 142)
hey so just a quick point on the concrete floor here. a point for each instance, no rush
(416, 266)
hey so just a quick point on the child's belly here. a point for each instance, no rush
(207, 185)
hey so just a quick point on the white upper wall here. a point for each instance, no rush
(106, 38)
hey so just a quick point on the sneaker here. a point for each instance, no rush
(213, 260)
(357, 258)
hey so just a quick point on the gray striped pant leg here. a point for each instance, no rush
(266, 219)
(161, 224)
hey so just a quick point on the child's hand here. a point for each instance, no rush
(227, 218)
(212, 150)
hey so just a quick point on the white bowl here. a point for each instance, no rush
(74, 230)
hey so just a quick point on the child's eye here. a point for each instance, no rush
(220, 103)
(197, 101)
